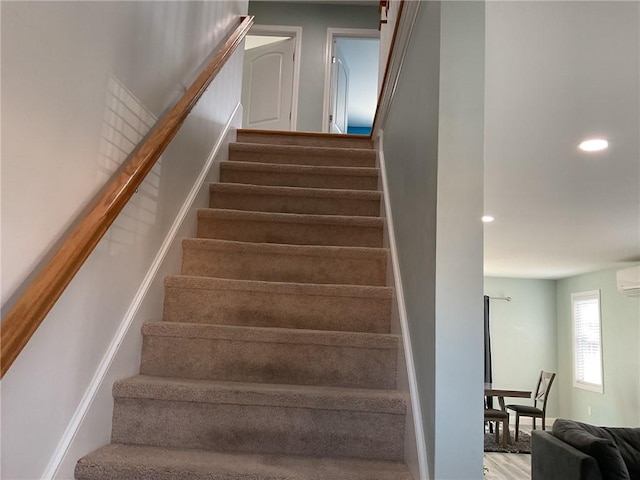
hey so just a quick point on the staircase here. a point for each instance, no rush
(274, 358)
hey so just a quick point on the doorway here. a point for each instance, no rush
(270, 77)
(351, 80)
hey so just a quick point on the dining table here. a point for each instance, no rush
(490, 390)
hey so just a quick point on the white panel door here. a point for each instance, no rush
(267, 86)
(339, 93)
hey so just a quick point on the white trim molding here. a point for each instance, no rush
(296, 33)
(404, 324)
(112, 351)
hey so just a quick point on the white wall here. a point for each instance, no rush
(523, 334)
(433, 142)
(314, 19)
(63, 65)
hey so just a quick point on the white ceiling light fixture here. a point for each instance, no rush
(488, 219)
(593, 145)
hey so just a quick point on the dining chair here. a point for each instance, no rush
(498, 416)
(488, 403)
(542, 395)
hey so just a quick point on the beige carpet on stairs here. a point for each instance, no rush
(274, 358)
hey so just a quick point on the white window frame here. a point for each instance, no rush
(580, 383)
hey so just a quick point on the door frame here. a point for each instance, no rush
(332, 33)
(296, 33)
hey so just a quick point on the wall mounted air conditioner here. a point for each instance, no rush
(629, 281)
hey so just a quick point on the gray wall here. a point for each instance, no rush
(433, 145)
(314, 19)
(620, 315)
(459, 242)
(523, 334)
(411, 156)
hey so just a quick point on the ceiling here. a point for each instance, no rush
(557, 73)
(255, 41)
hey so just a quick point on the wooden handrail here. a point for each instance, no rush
(34, 304)
(387, 68)
(405, 19)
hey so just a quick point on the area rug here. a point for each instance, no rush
(523, 445)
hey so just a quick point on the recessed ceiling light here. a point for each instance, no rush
(593, 145)
(488, 219)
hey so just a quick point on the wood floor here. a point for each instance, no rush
(508, 466)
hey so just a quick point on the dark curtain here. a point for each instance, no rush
(488, 377)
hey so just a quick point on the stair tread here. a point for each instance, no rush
(302, 150)
(209, 283)
(285, 249)
(117, 461)
(305, 169)
(294, 191)
(303, 218)
(261, 394)
(271, 335)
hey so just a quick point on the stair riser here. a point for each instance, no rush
(268, 362)
(266, 309)
(258, 429)
(139, 462)
(244, 265)
(286, 179)
(289, 233)
(306, 141)
(298, 159)
(294, 204)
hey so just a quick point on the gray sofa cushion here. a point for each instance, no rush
(594, 442)
(553, 459)
(628, 442)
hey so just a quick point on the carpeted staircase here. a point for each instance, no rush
(274, 359)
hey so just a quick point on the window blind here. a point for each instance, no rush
(587, 340)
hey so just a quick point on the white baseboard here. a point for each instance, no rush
(90, 394)
(404, 326)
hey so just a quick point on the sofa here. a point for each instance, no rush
(579, 451)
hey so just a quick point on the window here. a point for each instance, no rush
(587, 341)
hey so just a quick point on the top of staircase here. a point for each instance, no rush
(305, 138)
